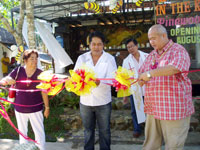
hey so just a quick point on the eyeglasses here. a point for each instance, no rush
(129, 47)
(97, 44)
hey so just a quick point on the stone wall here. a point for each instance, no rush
(121, 117)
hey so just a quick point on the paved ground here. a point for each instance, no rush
(120, 141)
(7, 144)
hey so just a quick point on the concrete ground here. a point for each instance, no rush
(7, 144)
(121, 140)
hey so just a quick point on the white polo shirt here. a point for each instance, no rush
(131, 63)
(104, 68)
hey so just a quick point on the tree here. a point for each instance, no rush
(30, 22)
(5, 6)
(17, 33)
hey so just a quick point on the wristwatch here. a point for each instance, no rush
(149, 75)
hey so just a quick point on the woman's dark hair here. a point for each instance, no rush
(132, 40)
(27, 53)
(12, 61)
(96, 34)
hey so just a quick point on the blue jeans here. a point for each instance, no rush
(101, 114)
(136, 126)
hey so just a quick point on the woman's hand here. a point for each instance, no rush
(46, 112)
(11, 81)
(46, 104)
(7, 81)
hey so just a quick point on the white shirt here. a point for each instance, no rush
(104, 68)
(131, 63)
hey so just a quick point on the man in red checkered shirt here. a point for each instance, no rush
(168, 98)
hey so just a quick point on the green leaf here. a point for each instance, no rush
(5, 9)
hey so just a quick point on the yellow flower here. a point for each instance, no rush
(123, 78)
(51, 85)
(82, 81)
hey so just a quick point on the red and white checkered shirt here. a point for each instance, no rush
(169, 97)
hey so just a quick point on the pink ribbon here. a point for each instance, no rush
(116, 84)
(5, 116)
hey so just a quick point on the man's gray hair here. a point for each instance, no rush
(159, 29)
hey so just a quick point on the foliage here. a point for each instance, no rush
(53, 126)
(65, 98)
(4, 94)
(3, 122)
(6, 130)
(6, 6)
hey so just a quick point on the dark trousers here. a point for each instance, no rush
(101, 114)
(136, 126)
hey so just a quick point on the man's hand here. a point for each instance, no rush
(5, 63)
(144, 77)
(141, 83)
(125, 100)
(97, 82)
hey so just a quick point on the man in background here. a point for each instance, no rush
(133, 62)
(5, 63)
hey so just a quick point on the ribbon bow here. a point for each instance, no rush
(123, 81)
(51, 83)
(82, 81)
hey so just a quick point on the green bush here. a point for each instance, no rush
(66, 99)
(3, 93)
(54, 126)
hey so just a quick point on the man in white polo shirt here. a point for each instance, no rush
(97, 105)
(133, 62)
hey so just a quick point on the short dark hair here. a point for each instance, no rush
(131, 40)
(27, 53)
(96, 34)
